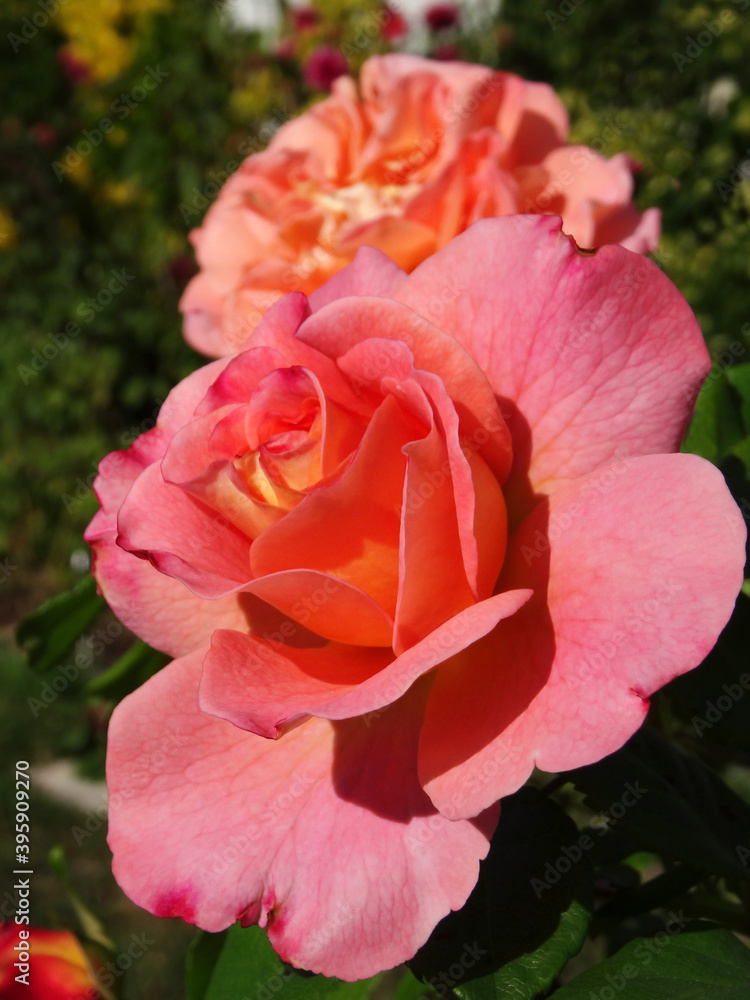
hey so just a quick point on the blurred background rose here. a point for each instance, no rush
(58, 967)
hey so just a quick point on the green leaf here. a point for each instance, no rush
(690, 965)
(202, 956)
(51, 630)
(131, 670)
(742, 451)
(528, 914)
(717, 421)
(739, 379)
(410, 988)
(670, 802)
(92, 927)
(241, 963)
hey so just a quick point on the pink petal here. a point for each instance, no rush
(158, 608)
(592, 354)
(325, 836)
(261, 685)
(202, 306)
(442, 473)
(625, 225)
(278, 331)
(242, 372)
(349, 528)
(533, 117)
(641, 575)
(183, 537)
(370, 273)
(336, 328)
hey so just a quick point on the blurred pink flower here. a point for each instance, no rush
(323, 66)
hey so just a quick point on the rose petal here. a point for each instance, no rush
(183, 537)
(261, 685)
(370, 273)
(644, 562)
(327, 606)
(158, 608)
(336, 328)
(325, 836)
(590, 353)
(350, 527)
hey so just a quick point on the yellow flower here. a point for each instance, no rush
(121, 192)
(97, 32)
(9, 231)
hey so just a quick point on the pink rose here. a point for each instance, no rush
(423, 534)
(418, 153)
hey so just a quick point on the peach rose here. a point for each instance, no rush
(413, 158)
(57, 965)
(422, 534)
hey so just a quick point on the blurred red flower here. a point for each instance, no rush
(324, 66)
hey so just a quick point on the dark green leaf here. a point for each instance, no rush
(714, 699)
(742, 451)
(51, 630)
(670, 802)
(131, 670)
(528, 914)
(241, 963)
(410, 988)
(717, 421)
(202, 956)
(692, 965)
(739, 379)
